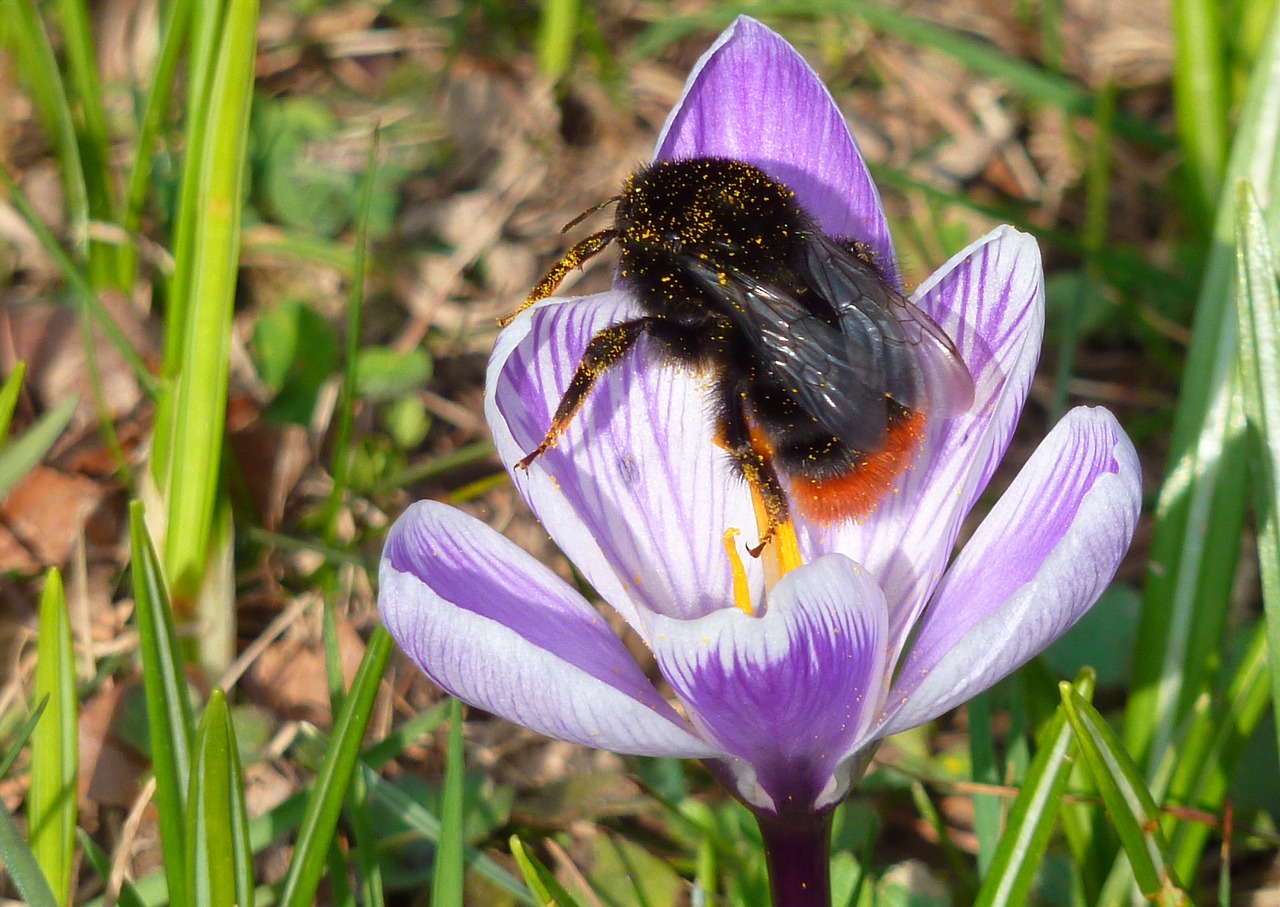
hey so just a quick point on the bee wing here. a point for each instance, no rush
(836, 378)
(923, 370)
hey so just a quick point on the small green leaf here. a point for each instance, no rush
(382, 373)
(297, 185)
(9, 398)
(296, 351)
(406, 421)
(219, 862)
(21, 455)
(55, 755)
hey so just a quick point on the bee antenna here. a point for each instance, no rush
(590, 211)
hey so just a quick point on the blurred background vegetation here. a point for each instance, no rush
(251, 262)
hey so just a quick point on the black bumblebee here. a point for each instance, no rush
(824, 374)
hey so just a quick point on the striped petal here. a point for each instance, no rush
(636, 492)
(500, 631)
(788, 693)
(990, 299)
(751, 97)
(1040, 559)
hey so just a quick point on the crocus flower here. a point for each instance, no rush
(782, 684)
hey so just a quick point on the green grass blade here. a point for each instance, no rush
(417, 817)
(1259, 310)
(355, 319)
(987, 808)
(332, 657)
(282, 819)
(20, 456)
(9, 399)
(467, 455)
(55, 752)
(219, 864)
(75, 278)
(359, 815)
(447, 876)
(1251, 27)
(1034, 813)
(29, 41)
(1093, 240)
(1129, 804)
(541, 880)
(20, 863)
(206, 35)
(95, 142)
(367, 862)
(201, 393)
(1214, 744)
(330, 787)
(394, 744)
(21, 737)
(557, 33)
(169, 714)
(1201, 99)
(155, 114)
(1200, 510)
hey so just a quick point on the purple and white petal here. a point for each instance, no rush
(636, 492)
(499, 630)
(1040, 559)
(751, 97)
(790, 692)
(990, 299)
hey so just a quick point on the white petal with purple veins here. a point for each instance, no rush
(1040, 559)
(752, 98)
(499, 630)
(790, 692)
(990, 299)
(636, 492)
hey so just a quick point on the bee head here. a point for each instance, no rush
(717, 210)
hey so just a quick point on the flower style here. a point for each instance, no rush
(786, 697)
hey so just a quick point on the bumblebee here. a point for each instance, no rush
(824, 375)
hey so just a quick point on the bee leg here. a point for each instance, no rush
(754, 459)
(574, 258)
(604, 351)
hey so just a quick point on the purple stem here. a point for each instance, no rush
(798, 850)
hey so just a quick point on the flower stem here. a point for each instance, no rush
(798, 850)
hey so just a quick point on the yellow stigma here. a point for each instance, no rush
(782, 553)
(741, 591)
(780, 556)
